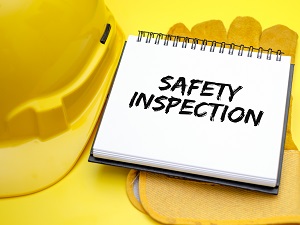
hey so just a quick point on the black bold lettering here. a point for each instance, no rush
(146, 102)
(180, 83)
(165, 81)
(256, 121)
(214, 111)
(196, 110)
(159, 100)
(233, 92)
(222, 87)
(224, 113)
(207, 88)
(239, 118)
(133, 99)
(172, 103)
(192, 85)
(186, 106)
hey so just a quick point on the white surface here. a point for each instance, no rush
(238, 151)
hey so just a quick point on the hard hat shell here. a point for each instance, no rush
(57, 61)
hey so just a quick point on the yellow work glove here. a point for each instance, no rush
(179, 201)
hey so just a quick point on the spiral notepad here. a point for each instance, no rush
(199, 109)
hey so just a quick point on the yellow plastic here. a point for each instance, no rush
(90, 194)
(55, 75)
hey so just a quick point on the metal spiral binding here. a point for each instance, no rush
(203, 43)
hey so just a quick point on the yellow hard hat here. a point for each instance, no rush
(57, 61)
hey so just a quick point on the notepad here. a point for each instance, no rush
(197, 109)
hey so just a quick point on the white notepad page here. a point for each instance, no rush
(185, 136)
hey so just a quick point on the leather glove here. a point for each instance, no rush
(171, 200)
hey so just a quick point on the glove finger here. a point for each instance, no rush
(289, 143)
(244, 31)
(280, 37)
(210, 30)
(179, 29)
